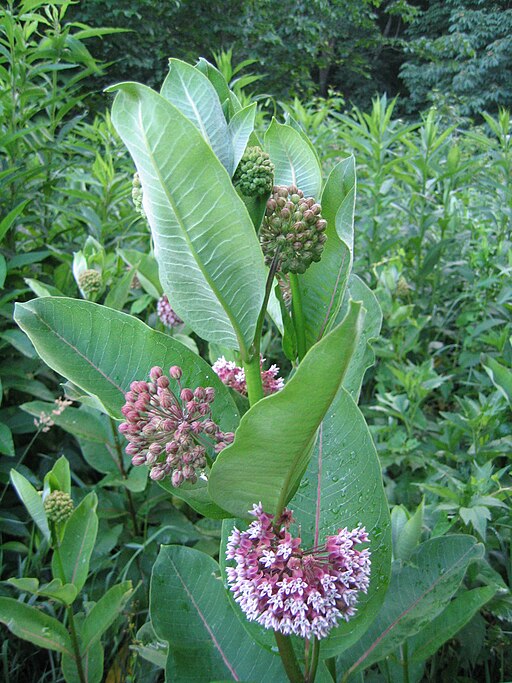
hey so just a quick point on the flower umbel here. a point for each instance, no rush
(169, 317)
(58, 506)
(254, 176)
(290, 590)
(171, 433)
(233, 376)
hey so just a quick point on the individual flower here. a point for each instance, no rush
(58, 506)
(292, 228)
(168, 317)
(254, 176)
(171, 432)
(233, 376)
(90, 281)
(290, 590)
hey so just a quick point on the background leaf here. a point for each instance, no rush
(32, 500)
(34, 625)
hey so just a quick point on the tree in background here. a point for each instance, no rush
(461, 52)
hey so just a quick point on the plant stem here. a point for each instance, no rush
(405, 661)
(312, 665)
(290, 664)
(252, 366)
(71, 618)
(122, 470)
(298, 316)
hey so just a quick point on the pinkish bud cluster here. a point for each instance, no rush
(290, 590)
(171, 433)
(233, 376)
(169, 317)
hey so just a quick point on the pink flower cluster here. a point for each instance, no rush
(233, 376)
(291, 590)
(169, 317)
(168, 433)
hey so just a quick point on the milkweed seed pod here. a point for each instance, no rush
(137, 195)
(254, 175)
(292, 225)
(90, 281)
(58, 506)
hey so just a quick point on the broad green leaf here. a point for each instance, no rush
(444, 627)
(216, 79)
(191, 92)
(118, 294)
(323, 284)
(272, 446)
(32, 500)
(6, 442)
(104, 613)
(409, 536)
(34, 625)
(19, 342)
(211, 265)
(197, 496)
(58, 478)
(342, 487)
(500, 375)
(147, 270)
(190, 609)
(65, 593)
(41, 288)
(418, 592)
(102, 351)
(295, 163)
(77, 544)
(363, 357)
(240, 129)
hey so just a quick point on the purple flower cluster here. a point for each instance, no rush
(168, 433)
(291, 590)
(233, 376)
(168, 317)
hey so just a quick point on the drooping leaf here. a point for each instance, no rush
(191, 92)
(77, 544)
(295, 163)
(211, 265)
(418, 592)
(190, 610)
(342, 487)
(32, 624)
(272, 447)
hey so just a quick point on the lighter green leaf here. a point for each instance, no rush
(500, 375)
(240, 129)
(211, 264)
(104, 613)
(295, 163)
(32, 500)
(272, 446)
(34, 625)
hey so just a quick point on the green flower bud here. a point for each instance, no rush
(137, 195)
(90, 281)
(58, 507)
(254, 175)
(294, 225)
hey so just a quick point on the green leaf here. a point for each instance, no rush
(32, 500)
(104, 612)
(444, 627)
(272, 447)
(8, 221)
(409, 536)
(77, 544)
(6, 442)
(34, 625)
(323, 284)
(19, 342)
(500, 375)
(418, 592)
(190, 609)
(118, 294)
(55, 589)
(102, 351)
(3, 270)
(343, 487)
(192, 93)
(41, 288)
(364, 356)
(92, 665)
(240, 129)
(211, 265)
(147, 270)
(295, 163)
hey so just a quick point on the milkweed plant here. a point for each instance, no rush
(248, 236)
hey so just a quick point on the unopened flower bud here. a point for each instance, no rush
(58, 506)
(254, 175)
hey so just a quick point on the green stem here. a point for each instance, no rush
(252, 366)
(298, 316)
(311, 668)
(405, 662)
(71, 618)
(290, 664)
(122, 470)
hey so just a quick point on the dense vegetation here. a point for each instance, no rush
(432, 241)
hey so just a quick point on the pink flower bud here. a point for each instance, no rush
(175, 372)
